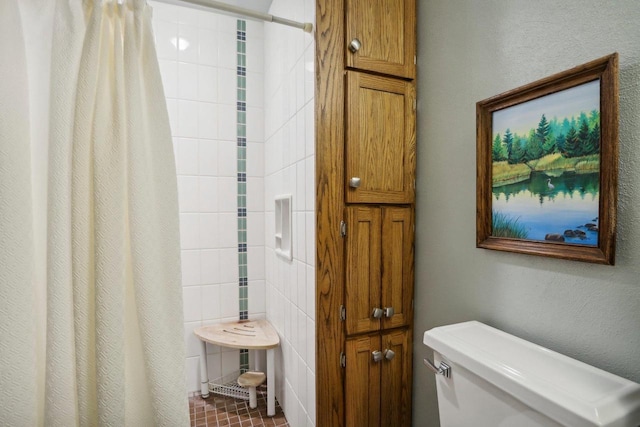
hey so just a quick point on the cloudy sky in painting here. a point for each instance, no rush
(570, 102)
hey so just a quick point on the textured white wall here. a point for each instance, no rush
(468, 51)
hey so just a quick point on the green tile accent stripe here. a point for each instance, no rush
(241, 137)
(244, 359)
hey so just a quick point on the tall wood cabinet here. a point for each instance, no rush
(365, 210)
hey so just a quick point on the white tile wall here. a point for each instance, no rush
(290, 168)
(207, 83)
(210, 273)
(207, 157)
(197, 55)
(197, 52)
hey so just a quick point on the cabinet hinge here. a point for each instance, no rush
(415, 105)
(415, 59)
(343, 313)
(343, 228)
(343, 360)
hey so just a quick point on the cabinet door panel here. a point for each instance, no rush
(380, 139)
(362, 382)
(363, 269)
(386, 31)
(397, 261)
(395, 393)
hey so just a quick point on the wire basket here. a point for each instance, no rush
(228, 386)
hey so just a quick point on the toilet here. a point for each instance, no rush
(486, 377)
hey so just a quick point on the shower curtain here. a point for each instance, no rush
(17, 287)
(114, 352)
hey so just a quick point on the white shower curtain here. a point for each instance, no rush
(114, 328)
(17, 286)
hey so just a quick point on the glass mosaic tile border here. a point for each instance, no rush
(241, 147)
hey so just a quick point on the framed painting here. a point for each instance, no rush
(547, 166)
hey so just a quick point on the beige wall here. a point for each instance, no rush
(469, 50)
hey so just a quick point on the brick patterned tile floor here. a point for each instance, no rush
(219, 410)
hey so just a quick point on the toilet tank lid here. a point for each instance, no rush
(567, 390)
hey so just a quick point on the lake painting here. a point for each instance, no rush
(546, 167)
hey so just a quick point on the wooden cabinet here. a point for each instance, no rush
(365, 178)
(378, 380)
(380, 140)
(379, 276)
(362, 382)
(381, 36)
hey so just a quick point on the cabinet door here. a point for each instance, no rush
(386, 31)
(379, 392)
(395, 393)
(362, 383)
(363, 269)
(397, 262)
(380, 139)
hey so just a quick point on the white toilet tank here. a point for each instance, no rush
(496, 379)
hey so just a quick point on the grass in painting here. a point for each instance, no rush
(589, 164)
(551, 162)
(505, 226)
(503, 173)
(556, 161)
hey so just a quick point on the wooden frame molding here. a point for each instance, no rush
(329, 129)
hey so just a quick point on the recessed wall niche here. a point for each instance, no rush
(283, 226)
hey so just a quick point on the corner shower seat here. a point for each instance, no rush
(249, 334)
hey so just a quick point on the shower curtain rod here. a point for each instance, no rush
(212, 4)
